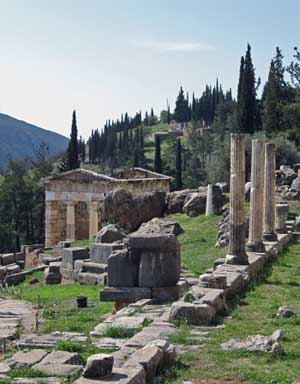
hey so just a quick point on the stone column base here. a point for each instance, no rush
(238, 260)
(270, 237)
(255, 246)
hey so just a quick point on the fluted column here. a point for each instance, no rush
(237, 253)
(71, 220)
(93, 219)
(281, 214)
(269, 193)
(209, 201)
(255, 243)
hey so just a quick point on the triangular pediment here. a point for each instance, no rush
(79, 175)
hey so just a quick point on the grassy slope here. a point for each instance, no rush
(61, 312)
(256, 314)
(198, 242)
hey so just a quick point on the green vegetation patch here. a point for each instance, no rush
(256, 314)
(121, 333)
(198, 249)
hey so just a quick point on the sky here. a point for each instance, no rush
(107, 57)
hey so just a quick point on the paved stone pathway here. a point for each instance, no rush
(13, 315)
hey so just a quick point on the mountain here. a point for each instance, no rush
(20, 140)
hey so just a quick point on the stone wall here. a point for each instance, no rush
(82, 221)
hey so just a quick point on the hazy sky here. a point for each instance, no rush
(105, 57)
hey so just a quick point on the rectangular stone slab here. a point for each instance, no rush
(101, 251)
(118, 376)
(125, 295)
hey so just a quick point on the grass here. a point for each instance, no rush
(26, 372)
(198, 249)
(61, 312)
(121, 333)
(255, 315)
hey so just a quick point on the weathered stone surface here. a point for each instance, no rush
(213, 297)
(149, 357)
(256, 344)
(194, 314)
(26, 358)
(295, 187)
(62, 357)
(109, 343)
(159, 259)
(160, 226)
(87, 278)
(70, 255)
(123, 269)
(129, 322)
(92, 267)
(122, 208)
(125, 295)
(109, 234)
(169, 350)
(100, 252)
(98, 365)
(223, 186)
(4, 369)
(3, 273)
(69, 371)
(284, 312)
(175, 200)
(195, 204)
(38, 380)
(7, 258)
(118, 376)
(165, 294)
(285, 175)
(49, 340)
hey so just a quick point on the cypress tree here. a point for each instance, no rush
(136, 162)
(178, 178)
(274, 95)
(169, 115)
(157, 159)
(71, 159)
(246, 95)
(181, 112)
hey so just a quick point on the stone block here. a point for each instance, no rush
(53, 278)
(87, 278)
(193, 314)
(129, 322)
(62, 357)
(54, 267)
(159, 259)
(15, 278)
(151, 242)
(109, 234)
(70, 255)
(165, 294)
(78, 265)
(3, 273)
(123, 269)
(169, 351)
(101, 252)
(125, 295)
(8, 258)
(98, 365)
(149, 357)
(12, 269)
(68, 371)
(20, 256)
(118, 376)
(92, 267)
(26, 358)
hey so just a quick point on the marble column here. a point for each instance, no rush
(237, 253)
(281, 214)
(255, 243)
(70, 220)
(269, 194)
(209, 201)
(93, 219)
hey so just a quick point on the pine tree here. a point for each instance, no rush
(178, 178)
(246, 95)
(157, 159)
